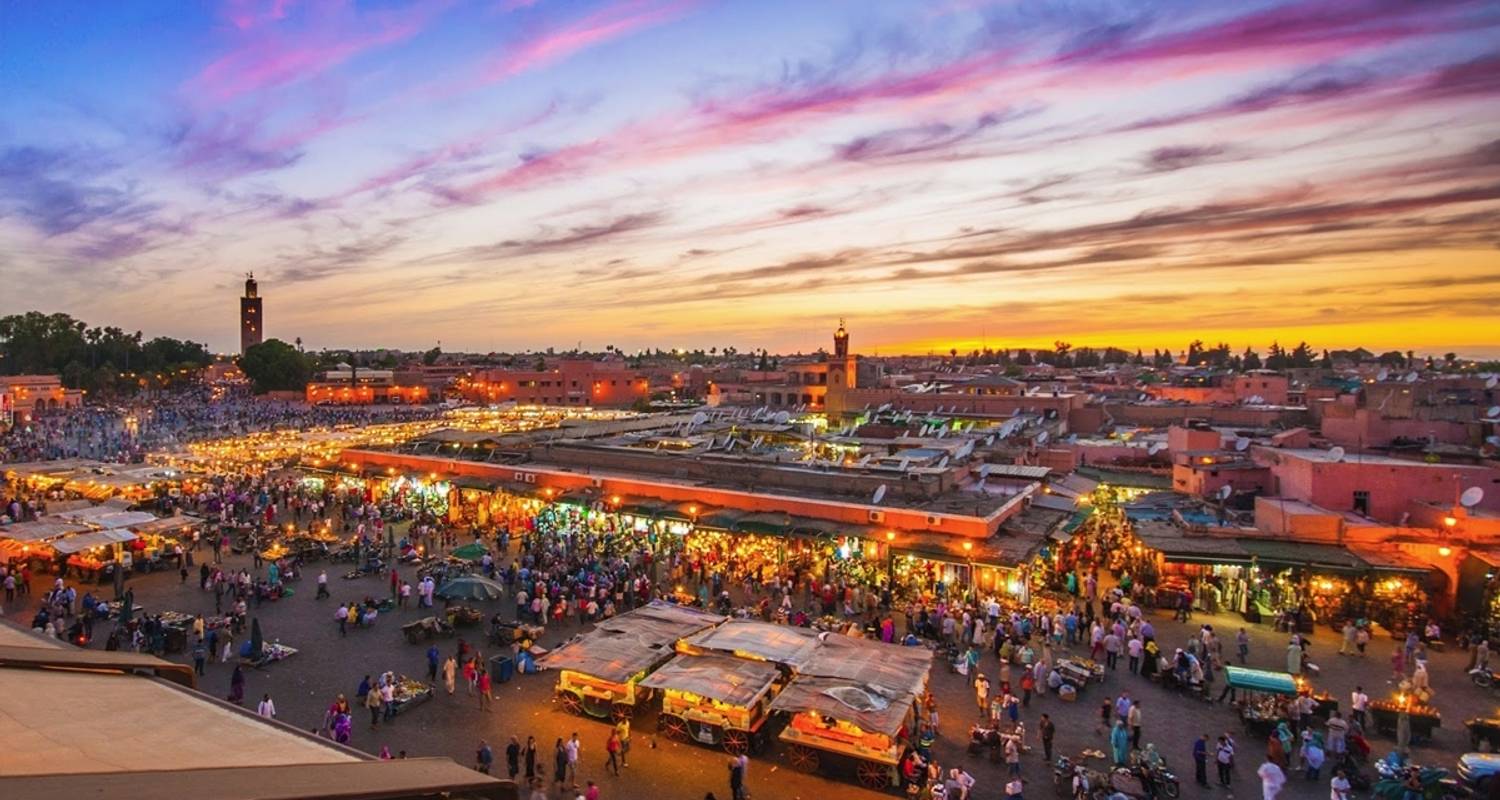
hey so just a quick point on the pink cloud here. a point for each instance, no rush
(328, 39)
(603, 25)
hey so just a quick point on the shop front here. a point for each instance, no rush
(1300, 585)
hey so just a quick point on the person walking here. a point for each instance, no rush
(982, 694)
(1242, 646)
(372, 704)
(484, 690)
(736, 780)
(622, 730)
(200, 656)
(484, 757)
(1012, 756)
(450, 671)
(1272, 779)
(528, 757)
(1224, 760)
(572, 750)
(1359, 702)
(267, 708)
(1200, 761)
(612, 748)
(1133, 719)
(434, 656)
(1047, 730)
(559, 765)
(237, 685)
(513, 758)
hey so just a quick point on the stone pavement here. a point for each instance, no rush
(326, 665)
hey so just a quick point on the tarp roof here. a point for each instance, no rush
(1261, 680)
(625, 645)
(40, 530)
(781, 644)
(1018, 471)
(1390, 559)
(83, 541)
(1300, 554)
(737, 681)
(164, 524)
(871, 662)
(872, 708)
(123, 519)
(1175, 545)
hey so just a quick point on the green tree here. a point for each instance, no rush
(274, 365)
(431, 356)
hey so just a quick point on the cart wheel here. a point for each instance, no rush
(736, 742)
(571, 703)
(873, 775)
(622, 711)
(1170, 790)
(803, 758)
(674, 728)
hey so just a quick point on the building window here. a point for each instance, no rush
(1362, 503)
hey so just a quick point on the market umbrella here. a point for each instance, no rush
(471, 587)
(257, 642)
(470, 552)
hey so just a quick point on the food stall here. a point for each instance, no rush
(1077, 671)
(716, 700)
(600, 670)
(852, 702)
(1386, 715)
(1262, 696)
(409, 693)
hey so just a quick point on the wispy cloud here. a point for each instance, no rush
(552, 241)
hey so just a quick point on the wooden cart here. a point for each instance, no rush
(597, 697)
(427, 628)
(1424, 719)
(715, 700)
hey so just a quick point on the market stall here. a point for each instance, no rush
(1386, 716)
(1263, 697)
(716, 700)
(409, 693)
(599, 671)
(850, 702)
(783, 645)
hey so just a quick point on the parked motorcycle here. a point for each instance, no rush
(1483, 676)
(1140, 782)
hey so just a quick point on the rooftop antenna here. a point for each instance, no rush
(905, 462)
(1155, 448)
(879, 495)
(1241, 444)
(1336, 454)
(1225, 491)
(1041, 438)
(984, 470)
(1383, 375)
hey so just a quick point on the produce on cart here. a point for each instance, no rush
(600, 670)
(409, 692)
(849, 702)
(1263, 697)
(1424, 718)
(717, 700)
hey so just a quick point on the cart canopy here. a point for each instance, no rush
(736, 681)
(1260, 680)
(872, 708)
(631, 643)
(780, 644)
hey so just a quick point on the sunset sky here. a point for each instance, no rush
(518, 174)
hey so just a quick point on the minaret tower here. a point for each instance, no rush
(842, 374)
(252, 321)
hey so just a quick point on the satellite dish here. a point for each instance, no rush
(1155, 448)
(782, 417)
(1336, 454)
(865, 459)
(963, 452)
(1241, 445)
(1382, 375)
(1471, 497)
(980, 488)
(1041, 438)
(942, 463)
(1141, 398)
(757, 442)
(1494, 440)
(884, 408)
(989, 440)
(905, 462)
(1494, 411)
(730, 446)
(1411, 377)
(941, 432)
(984, 470)
(1490, 383)
(1225, 491)
(879, 495)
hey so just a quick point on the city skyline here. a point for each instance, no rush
(518, 174)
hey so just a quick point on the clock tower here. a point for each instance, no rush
(252, 321)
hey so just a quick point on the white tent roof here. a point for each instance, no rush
(83, 541)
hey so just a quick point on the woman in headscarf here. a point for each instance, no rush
(237, 685)
(1119, 743)
(1275, 753)
(1284, 734)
